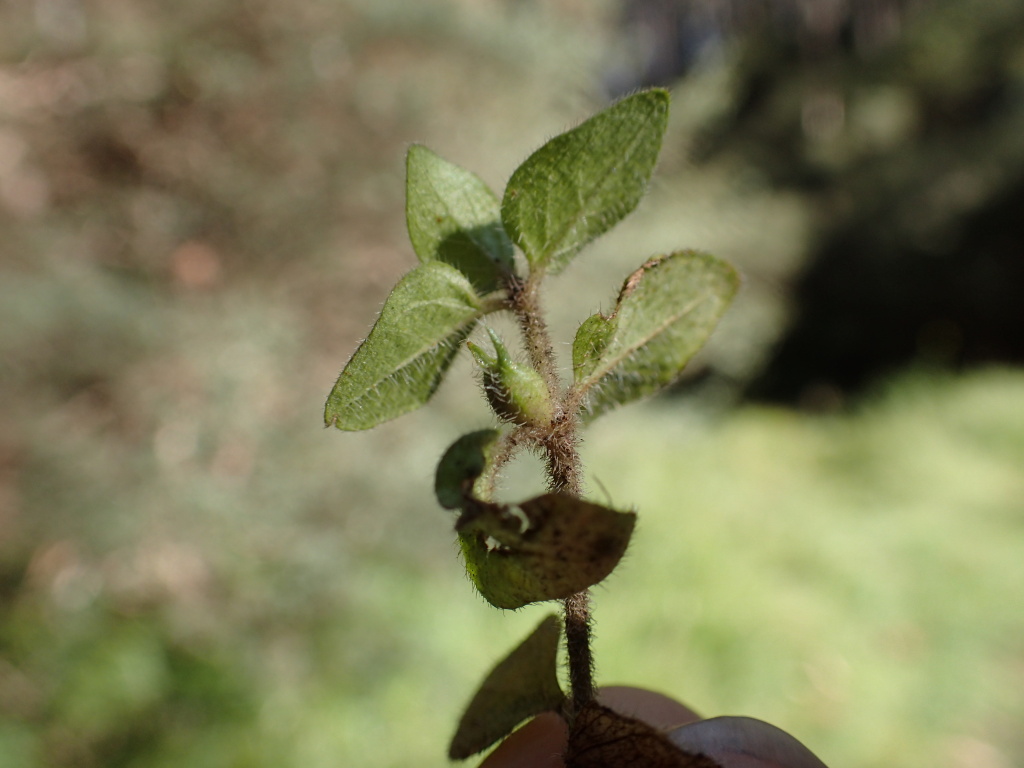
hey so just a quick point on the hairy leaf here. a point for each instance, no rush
(516, 392)
(461, 467)
(522, 685)
(454, 217)
(665, 312)
(601, 737)
(591, 340)
(401, 363)
(547, 548)
(581, 183)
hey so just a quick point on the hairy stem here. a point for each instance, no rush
(524, 299)
(562, 458)
(576, 612)
(559, 443)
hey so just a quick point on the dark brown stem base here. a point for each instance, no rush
(581, 660)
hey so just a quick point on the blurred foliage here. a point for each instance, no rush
(200, 212)
(852, 577)
(894, 126)
(901, 133)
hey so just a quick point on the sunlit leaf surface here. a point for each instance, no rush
(453, 216)
(584, 181)
(401, 363)
(665, 312)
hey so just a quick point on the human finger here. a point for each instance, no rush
(542, 741)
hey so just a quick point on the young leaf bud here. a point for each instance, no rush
(516, 392)
(461, 467)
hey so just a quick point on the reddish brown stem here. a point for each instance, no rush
(576, 613)
(559, 442)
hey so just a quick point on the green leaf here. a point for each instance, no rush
(546, 548)
(583, 182)
(592, 338)
(462, 465)
(665, 312)
(516, 392)
(522, 685)
(454, 217)
(400, 365)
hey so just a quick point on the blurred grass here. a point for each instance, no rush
(200, 211)
(854, 579)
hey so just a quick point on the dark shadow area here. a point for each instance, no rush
(869, 304)
(899, 125)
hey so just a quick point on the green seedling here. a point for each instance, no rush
(556, 546)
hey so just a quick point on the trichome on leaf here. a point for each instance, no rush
(546, 548)
(556, 545)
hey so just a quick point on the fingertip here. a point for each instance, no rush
(538, 744)
(655, 709)
(542, 741)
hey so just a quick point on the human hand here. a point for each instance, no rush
(732, 742)
(542, 741)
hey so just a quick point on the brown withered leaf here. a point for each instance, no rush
(602, 738)
(522, 685)
(547, 548)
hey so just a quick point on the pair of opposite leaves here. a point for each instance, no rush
(525, 684)
(572, 189)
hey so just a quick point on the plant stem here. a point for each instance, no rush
(576, 613)
(559, 442)
(524, 300)
(562, 457)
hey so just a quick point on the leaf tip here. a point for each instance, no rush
(520, 686)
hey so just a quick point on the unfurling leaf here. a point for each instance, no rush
(454, 217)
(462, 466)
(746, 741)
(546, 548)
(522, 685)
(591, 339)
(400, 365)
(583, 182)
(516, 392)
(602, 738)
(665, 312)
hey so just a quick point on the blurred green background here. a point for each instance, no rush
(201, 210)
